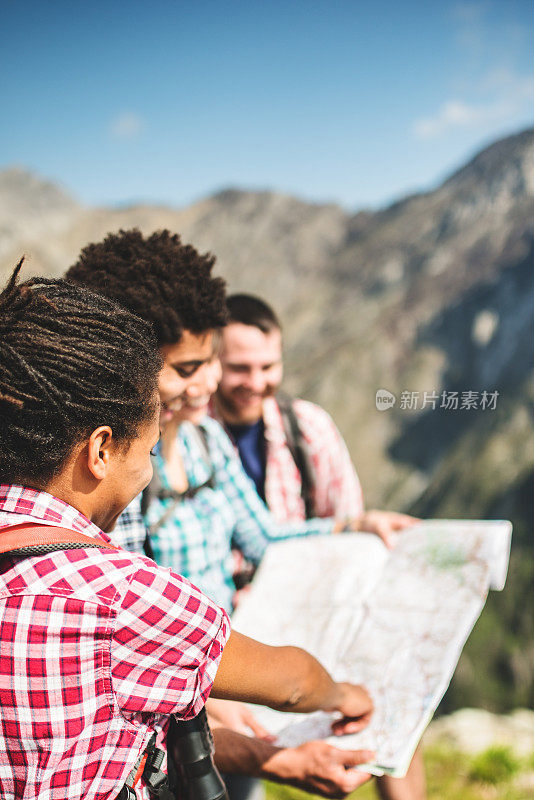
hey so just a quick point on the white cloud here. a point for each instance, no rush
(484, 89)
(506, 96)
(453, 114)
(126, 125)
(518, 88)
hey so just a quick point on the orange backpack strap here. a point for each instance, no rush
(29, 539)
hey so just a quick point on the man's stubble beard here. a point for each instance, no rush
(237, 412)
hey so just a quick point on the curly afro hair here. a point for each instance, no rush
(167, 283)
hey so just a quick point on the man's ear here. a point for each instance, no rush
(99, 451)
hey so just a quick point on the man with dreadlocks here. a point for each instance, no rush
(99, 646)
(170, 285)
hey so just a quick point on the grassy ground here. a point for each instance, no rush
(493, 775)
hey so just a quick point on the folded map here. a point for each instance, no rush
(393, 620)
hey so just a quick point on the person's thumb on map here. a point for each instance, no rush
(320, 768)
(356, 708)
(384, 524)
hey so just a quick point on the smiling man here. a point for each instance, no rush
(266, 430)
(292, 450)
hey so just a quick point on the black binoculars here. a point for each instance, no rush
(191, 771)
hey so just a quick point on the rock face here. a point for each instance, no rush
(473, 730)
(432, 294)
(33, 214)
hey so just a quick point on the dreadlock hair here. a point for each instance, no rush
(165, 282)
(251, 310)
(70, 361)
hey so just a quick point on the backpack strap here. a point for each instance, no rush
(298, 447)
(148, 767)
(31, 539)
(202, 439)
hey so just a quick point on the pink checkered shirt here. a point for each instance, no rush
(337, 491)
(97, 648)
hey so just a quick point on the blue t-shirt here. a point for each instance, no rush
(250, 443)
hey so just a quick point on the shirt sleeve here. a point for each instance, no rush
(167, 644)
(255, 527)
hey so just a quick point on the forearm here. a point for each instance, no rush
(285, 678)
(238, 754)
(307, 527)
(315, 766)
(256, 527)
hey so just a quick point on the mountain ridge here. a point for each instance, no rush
(433, 293)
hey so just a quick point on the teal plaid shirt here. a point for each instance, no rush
(197, 538)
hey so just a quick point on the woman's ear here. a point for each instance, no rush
(99, 451)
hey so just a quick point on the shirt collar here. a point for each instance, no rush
(21, 504)
(272, 419)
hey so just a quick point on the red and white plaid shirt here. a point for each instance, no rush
(337, 490)
(96, 649)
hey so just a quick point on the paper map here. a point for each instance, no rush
(394, 621)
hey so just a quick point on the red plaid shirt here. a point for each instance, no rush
(96, 649)
(337, 490)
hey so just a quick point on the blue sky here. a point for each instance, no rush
(352, 102)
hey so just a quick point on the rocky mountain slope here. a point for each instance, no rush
(432, 294)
